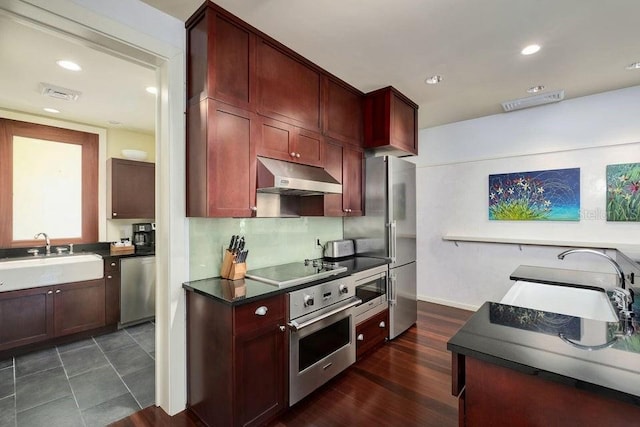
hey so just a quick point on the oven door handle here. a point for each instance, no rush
(295, 326)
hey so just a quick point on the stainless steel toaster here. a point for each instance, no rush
(338, 248)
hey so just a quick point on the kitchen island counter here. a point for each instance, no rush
(512, 345)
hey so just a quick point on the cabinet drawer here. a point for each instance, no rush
(248, 317)
(371, 333)
(111, 265)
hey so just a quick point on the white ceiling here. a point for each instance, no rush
(474, 45)
(112, 89)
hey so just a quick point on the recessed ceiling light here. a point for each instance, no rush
(51, 110)
(152, 89)
(433, 80)
(69, 65)
(530, 50)
(535, 89)
(634, 66)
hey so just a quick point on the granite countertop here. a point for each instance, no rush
(238, 292)
(527, 341)
(101, 249)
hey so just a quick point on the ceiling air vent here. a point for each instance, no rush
(533, 101)
(58, 92)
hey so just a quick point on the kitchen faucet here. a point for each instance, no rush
(622, 296)
(602, 254)
(47, 242)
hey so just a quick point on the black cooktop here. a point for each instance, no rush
(295, 273)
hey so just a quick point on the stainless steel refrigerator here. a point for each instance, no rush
(388, 230)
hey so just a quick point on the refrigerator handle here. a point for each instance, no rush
(391, 291)
(392, 241)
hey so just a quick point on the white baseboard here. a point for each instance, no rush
(462, 306)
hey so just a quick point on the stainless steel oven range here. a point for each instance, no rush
(322, 334)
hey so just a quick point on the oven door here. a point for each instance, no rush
(372, 290)
(321, 345)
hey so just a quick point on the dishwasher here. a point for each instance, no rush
(137, 289)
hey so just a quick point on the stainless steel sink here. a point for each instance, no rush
(23, 273)
(573, 301)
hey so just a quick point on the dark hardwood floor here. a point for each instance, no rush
(406, 382)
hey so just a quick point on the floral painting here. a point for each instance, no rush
(623, 192)
(551, 195)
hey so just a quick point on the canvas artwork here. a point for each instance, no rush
(548, 195)
(623, 192)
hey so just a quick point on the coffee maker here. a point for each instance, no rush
(144, 237)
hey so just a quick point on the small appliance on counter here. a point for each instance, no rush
(144, 237)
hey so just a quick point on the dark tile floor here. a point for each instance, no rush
(88, 383)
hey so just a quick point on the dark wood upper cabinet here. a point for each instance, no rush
(390, 122)
(342, 112)
(288, 88)
(345, 163)
(221, 160)
(131, 187)
(283, 141)
(220, 61)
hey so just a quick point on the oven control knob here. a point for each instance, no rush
(308, 300)
(344, 289)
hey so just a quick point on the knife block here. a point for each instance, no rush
(227, 263)
(238, 270)
(231, 269)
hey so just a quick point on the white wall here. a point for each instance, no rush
(452, 178)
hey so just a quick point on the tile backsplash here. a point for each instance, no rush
(271, 241)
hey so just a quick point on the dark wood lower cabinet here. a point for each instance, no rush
(26, 316)
(498, 396)
(78, 307)
(371, 333)
(236, 361)
(36, 316)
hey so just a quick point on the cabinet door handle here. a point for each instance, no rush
(261, 311)
(382, 324)
(282, 328)
(57, 291)
(113, 264)
(1, 283)
(361, 337)
(49, 293)
(253, 208)
(109, 277)
(114, 214)
(298, 155)
(293, 154)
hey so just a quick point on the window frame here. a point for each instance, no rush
(90, 153)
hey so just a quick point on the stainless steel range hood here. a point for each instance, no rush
(293, 179)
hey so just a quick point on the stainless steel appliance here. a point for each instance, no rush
(322, 334)
(389, 230)
(371, 288)
(137, 289)
(144, 237)
(296, 273)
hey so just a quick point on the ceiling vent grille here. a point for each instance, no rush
(58, 92)
(533, 101)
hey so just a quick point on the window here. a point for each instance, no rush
(48, 183)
